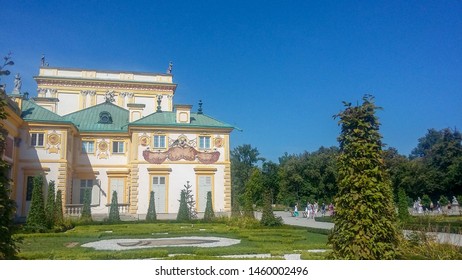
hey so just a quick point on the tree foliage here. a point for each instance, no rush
(243, 159)
(365, 218)
(308, 176)
(8, 246)
(151, 216)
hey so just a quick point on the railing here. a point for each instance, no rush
(73, 209)
(76, 209)
(123, 207)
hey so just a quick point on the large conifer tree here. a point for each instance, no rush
(365, 214)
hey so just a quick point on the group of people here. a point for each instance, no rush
(419, 208)
(312, 209)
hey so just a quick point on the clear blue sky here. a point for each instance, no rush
(279, 70)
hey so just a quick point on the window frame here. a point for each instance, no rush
(156, 139)
(82, 194)
(117, 142)
(84, 150)
(203, 143)
(37, 139)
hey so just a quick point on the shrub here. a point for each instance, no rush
(443, 200)
(50, 205)
(86, 209)
(426, 201)
(36, 219)
(209, 214)
(421, 246)
(59, 219)
(114, 215)
(364, 210)
(151, 215)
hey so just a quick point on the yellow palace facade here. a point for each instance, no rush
(115, 131)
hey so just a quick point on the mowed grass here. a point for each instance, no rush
(257, 240)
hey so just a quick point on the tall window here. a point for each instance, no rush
(36, 139)
(159, 141)
(30, 186)
(159, 188)
(205, 186)
(85, 185)
(118, 185)
(204, 142)
(88, 147)
(118, 147)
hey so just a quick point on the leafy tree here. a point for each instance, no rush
(183, 211)
(440, 154)
(59, 219)
(308, 176)
(253, 187)
(270, 174)
(114, 215)
(209, 214)
(151, 215)
(50, 205)
(365, 214)
(243, 159)
(8, 246)
(36, 219)
(86, 209)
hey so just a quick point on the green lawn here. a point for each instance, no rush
(260, 240)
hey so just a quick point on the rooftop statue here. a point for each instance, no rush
(17, 84)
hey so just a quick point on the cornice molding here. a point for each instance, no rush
(99, 84)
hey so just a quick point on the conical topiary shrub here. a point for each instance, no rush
(86, 209)
(114, 215)
(36, 219)
(209, 214)
(59, 219)
(50, 205)
(151, 215)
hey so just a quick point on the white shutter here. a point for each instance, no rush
(205, 186)
(118, 186)
(160, 193)
(96, 194)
